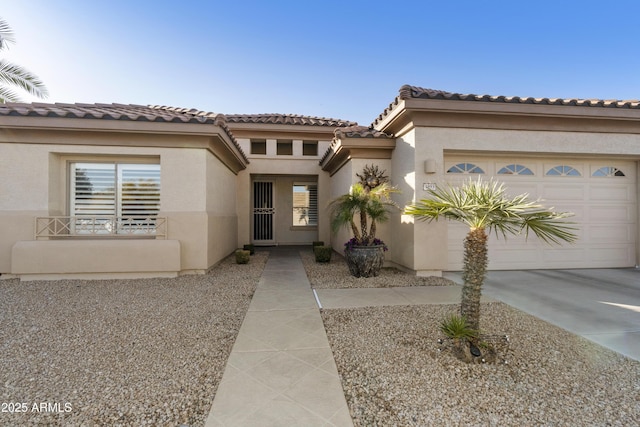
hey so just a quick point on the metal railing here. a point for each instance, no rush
(99, 226)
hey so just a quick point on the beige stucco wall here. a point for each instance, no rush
(221, 211)
(34, 182)
(50, 259)
(403, 177)
(340, 183)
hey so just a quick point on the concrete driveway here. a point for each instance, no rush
(602, 305)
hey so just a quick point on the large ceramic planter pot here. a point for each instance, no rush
(365, 261)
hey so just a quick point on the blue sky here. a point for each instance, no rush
(341, 59)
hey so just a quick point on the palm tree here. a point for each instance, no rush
(14, 75)
(483, 205)
(364, 253)
(370, 205)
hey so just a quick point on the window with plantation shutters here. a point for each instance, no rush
(305, 204)
(93, 189)
(126, 191)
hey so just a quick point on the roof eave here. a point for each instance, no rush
(221, 141)
(344, 149)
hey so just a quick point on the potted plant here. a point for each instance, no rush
(369, 201)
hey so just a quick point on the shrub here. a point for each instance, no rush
(250, 248)
(323, 253)
(456, 327)
(242, 256)
(375, 242)
(318, 243)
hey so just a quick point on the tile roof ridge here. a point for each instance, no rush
(408, 91)
(358, 131)
(184, 110)
(282, 118)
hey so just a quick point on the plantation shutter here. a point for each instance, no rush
(313, 203)
(305, 204)
(93, 189)
(139, 190)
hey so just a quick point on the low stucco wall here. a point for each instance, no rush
(54, 259)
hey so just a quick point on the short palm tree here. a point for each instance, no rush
(370, 205)
(12, 75)
(483, 205)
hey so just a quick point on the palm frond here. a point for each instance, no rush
(15, 75)
(484, 204)
(7, 95)
(367, 204)
(6, 34)
(550, 227)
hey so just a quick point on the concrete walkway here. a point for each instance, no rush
(281, 370)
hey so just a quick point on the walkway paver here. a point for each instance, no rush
(281, 370)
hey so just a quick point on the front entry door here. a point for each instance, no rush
(263, 213)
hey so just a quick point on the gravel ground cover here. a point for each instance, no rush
(394, 375)
(120, 352)
(335, 275)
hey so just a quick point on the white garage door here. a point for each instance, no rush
(601, 194)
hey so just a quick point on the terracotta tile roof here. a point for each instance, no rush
(359, 132)
(151, 113)
(407, 92)
(287, 119)
(103, 111)
(415, 92)
(352, 132)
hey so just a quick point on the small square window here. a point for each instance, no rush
(309, 148)
(258, 146)
(284, 147)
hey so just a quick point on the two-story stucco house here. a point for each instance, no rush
(95, 190)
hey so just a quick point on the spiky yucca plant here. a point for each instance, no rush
(484, 206)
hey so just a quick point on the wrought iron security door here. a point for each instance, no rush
(263, 212)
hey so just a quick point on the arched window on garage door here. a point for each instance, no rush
(465, 168)
(515, 169)
(608, 171)
(563, 170)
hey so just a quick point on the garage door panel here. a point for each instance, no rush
(564, 256)
(612, 192)
(612, 214)
(564, 192)
(612, 256)
(512, 260)
(604, 233)
(515, 189)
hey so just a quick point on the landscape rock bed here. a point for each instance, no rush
(335, 275)
(393, 373)
(121, 352)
